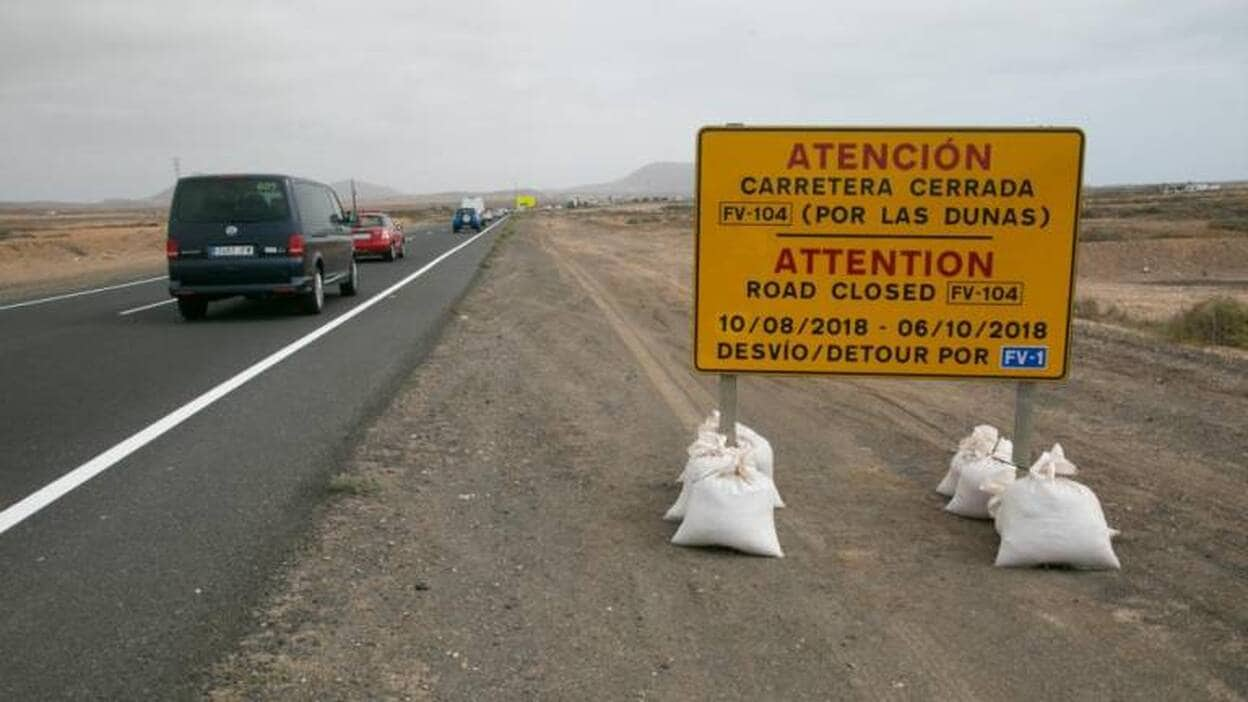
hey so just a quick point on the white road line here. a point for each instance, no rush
(80, 293)
(147, 307)
(53, 491)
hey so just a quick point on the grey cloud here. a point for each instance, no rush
(95, 98)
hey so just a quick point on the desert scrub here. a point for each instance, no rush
(1231, 223)
(348, 484)
(1221, 321)
(1089, 308)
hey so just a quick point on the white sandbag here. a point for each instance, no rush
(764, 456)
(970, 499)
(710, 453)
(1046, 519)
(708, 459)
(984, 440)
(761, 453)
(734, 509)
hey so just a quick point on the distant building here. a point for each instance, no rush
(1188, 187)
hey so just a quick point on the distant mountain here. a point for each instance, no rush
(668, 178)
(365, 192)
(163, 198)
(663, 178)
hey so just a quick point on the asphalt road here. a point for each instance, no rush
(129, 585)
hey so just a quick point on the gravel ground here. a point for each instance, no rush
(498, 533)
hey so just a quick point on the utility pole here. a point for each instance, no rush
(177, 168)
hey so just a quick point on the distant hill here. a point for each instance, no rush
(667, 178)
(365, 191)
(163, 198)
(663, 178)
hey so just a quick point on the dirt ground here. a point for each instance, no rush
(506, 539)
(1152, 255)
(51, 251)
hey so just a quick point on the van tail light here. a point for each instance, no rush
(381, 233)
(294, 246)
(171, 248)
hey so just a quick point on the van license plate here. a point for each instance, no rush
(233, 250)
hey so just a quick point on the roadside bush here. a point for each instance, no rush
(1089, 308)
(1221, 321)
(1234, 223)
(349, 484)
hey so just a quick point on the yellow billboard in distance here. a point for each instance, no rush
(526, 202)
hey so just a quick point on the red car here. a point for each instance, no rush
(378, 235)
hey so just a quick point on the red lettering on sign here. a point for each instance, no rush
(896, 263)
(846, 157)
(797, 157)
(785, 263)
(904, 156)
(823, 147)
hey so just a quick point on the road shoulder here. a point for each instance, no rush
(506, 541)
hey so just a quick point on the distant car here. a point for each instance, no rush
(487, 216)
(465, 217)
(257, 236)
(376, 234)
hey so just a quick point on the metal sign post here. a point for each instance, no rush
(1022, 423)
(937, 252)
(728, 407)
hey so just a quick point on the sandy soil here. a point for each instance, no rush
(1152, 256)
(1151, 280)
(509, 541)
(46, 252)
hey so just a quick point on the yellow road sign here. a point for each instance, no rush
(906, 251)
(526, 201)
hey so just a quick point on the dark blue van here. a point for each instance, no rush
(258, 236)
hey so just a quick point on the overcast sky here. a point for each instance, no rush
(97, 97)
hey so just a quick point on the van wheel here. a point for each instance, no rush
(192, 308)
(389, 254)
(349, 287)
(313, 301)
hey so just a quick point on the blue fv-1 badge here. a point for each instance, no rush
(1034, 357)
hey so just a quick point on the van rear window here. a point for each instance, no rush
(231, 200)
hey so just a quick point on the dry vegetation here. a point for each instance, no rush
(1147, 260)
(59, 249)
(1174, 265)
(43, 250)
(1159, 262)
